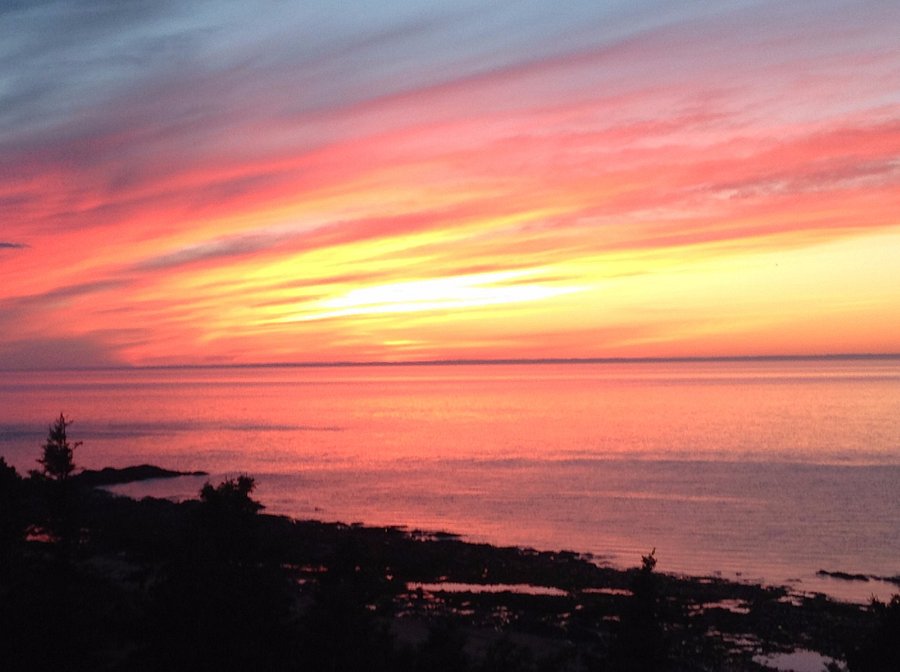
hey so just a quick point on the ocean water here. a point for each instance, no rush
(757, 470)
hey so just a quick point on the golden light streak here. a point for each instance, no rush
(437, 294)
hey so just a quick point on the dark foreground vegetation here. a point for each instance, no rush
(90, 581)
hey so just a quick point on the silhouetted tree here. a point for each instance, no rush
(57, 459)
(56, 486)
(49, 611)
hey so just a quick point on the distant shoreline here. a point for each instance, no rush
(837, 357)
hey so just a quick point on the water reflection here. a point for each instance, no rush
(770, 469)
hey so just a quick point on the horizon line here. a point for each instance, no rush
(480, 362)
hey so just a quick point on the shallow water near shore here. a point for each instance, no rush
(758, 470)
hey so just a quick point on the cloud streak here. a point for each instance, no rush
(231, 176)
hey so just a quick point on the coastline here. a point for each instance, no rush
(775, 473)
(810, 575)
(561, 608)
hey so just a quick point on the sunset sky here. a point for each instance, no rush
(233, 182)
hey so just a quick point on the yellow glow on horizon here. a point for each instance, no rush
(453, 293)
(358, 303)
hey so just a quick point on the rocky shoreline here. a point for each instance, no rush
(131, 585)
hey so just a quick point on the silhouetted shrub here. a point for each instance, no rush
(639, 644)
(216, 606)
(228, 520)
(232, 496)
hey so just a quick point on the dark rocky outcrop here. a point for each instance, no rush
(111, 476)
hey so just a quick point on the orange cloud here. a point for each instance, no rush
(704, 184)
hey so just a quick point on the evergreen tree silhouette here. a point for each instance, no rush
(57, 459)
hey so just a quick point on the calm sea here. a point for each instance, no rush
(755, 470)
